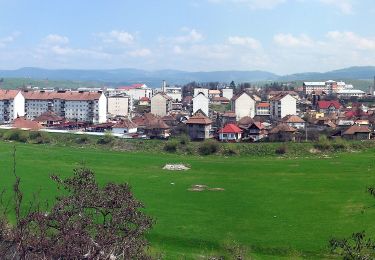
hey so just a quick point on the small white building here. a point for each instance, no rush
(243, 105)
(12, 105)
(283, 105)
(135, 91)
(161, 104)
(347, 93)
(125, 127)
(201, 102)
(175, 93)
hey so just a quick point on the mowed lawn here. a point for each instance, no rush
(276, 207)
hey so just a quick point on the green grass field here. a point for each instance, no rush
(274, 206)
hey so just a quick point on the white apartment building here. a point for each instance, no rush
(329, 87)
(72, 105)
(227, 93)
(135, 91)
(12, 105)
(175, 93)
(118, 105)
(201, 102)
(283, 105)
(243, 105)
(263, 109)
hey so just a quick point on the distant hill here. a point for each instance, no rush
(154, 78)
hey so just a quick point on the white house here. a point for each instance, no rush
(243, 105)
(283, 105)
(161, 104)
(12, 105)
(200, 90)
(201, 102)
(125, 127)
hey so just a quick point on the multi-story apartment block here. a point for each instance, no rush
(12, 105)
(283, 105)
(328, 87)
(135, 91)
(72, 105)
(263, 109)
(243, 105)
(161, 104)
(118, 105)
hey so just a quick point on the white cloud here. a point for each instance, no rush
(140, 52)
(115, 36)
(344, 6)
(191, 36)
(52, 39)
(352, 40)
(8, 39)
(253, 4)
(291, 41)
(245, 41)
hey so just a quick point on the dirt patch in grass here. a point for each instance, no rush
(176, 167)
(201, 187)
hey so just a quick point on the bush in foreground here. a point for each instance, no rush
(86, 222)
(16, 135)
(208, 147)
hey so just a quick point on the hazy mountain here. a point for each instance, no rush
(154, 78)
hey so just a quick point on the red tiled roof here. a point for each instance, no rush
(144, 99)
(293, 119)
(263, 104)
(199, 119)
(282, 128)
(230, 128)
(24, 123)
(126, 123)
(68, 95)
(357, 129)
(48, 116)
(326, 104)
(8, 94)
(220, 99)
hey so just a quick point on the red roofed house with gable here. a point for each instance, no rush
(328, 107)
(230, 133)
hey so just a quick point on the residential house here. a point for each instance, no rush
(199, 127)
(245, 122)
(220, 101)
(228, 117)
(243, 105)
(26, 124)
(49, 119)
(357, 132)
(161, 104)
(294, 121)
(212, 93)
(12, 105)
(125, 126)
(255, 132)
(144, 101)
(230, 133)
(282, 133)
(201, 102)
(151, 125)
(329, 107)
(283, 105)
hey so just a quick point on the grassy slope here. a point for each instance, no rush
(275, 206)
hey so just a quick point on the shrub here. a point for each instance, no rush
(170, 147)
(229, 151)
(323, 143)
(208, 147)
(82, 139)
(16, 135)
(106, 139)
(39, 137)
(184, 140)
(283, 149)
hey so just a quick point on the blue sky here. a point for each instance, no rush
(281, 36)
